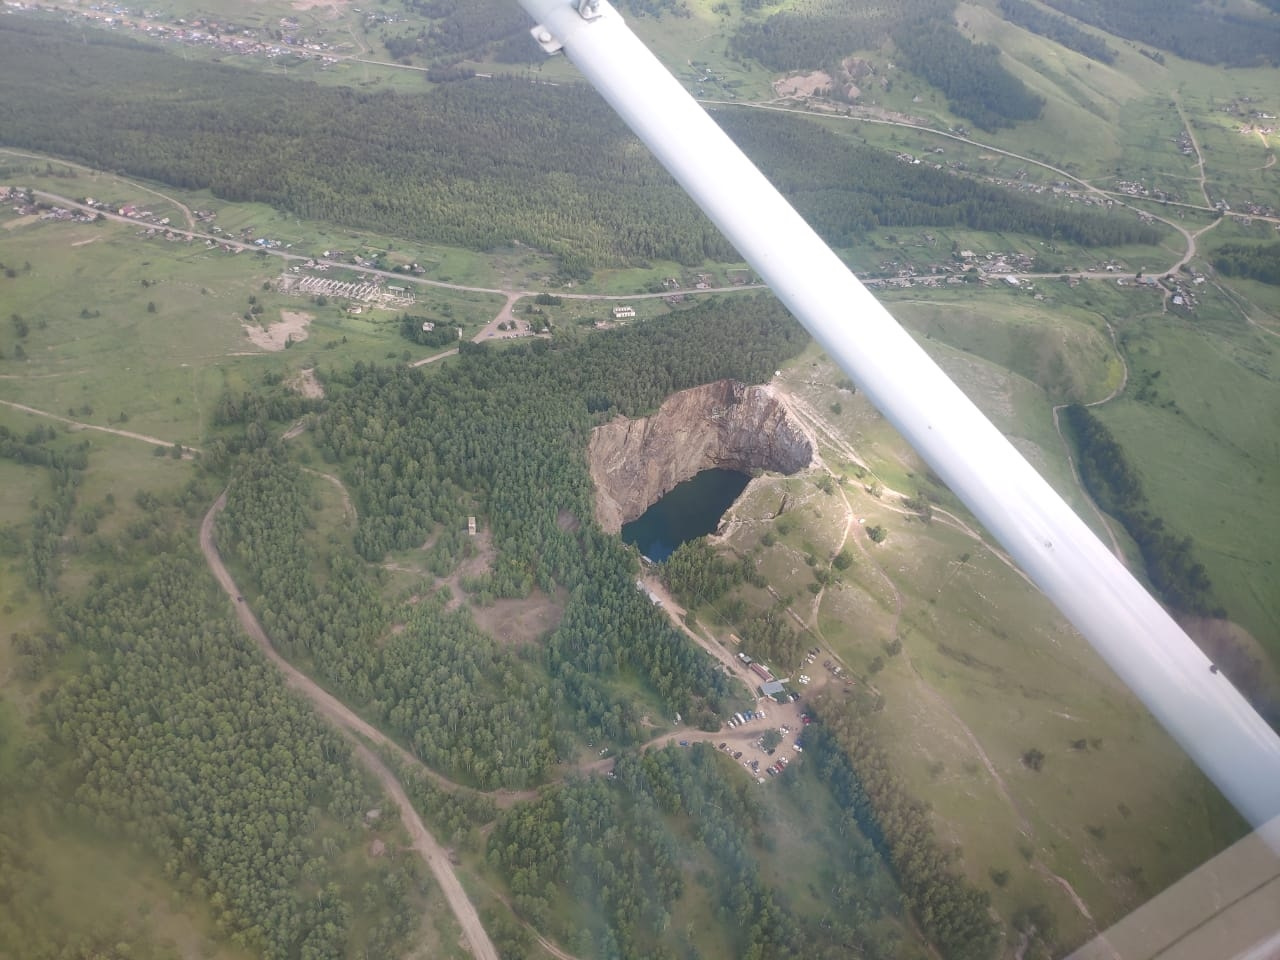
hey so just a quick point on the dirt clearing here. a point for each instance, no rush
(523, 620)
(803, 84)
(292, 328)
(306, 384)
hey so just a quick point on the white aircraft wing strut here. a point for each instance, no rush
(1132, 632)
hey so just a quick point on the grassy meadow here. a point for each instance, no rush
(987, 670)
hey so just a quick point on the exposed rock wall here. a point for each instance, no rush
(723, 424)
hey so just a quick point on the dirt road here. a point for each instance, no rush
(355, 728)
(78, 425)
(432, 359)
(237, 245)
(187, 215)
(675, 613)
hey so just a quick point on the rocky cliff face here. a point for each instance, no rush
(724, 424)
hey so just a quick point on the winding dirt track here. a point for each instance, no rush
(78, 425)
(355, 728)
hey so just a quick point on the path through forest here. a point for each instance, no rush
(338, 714)
(675, 613)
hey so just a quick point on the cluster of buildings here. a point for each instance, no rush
(24, 204)
(770, 686)
(373, 290)
(960, 268)
(225, 38)
(1180, 292)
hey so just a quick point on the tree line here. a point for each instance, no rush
(441, 335)
(821, 33)
(977, 86)
(1113, 481)
(1058, 29)
(1257, 261)
(478, 165)
(1207, 34)
(49, 518)
(846, 189)
(460, 30)
(697, 572)
(953, 914)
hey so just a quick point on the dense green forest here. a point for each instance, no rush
(1114, 483)
(49, 519)
(501, 434)
(978, 88)
(478, 164)
(845, 189)
(820, 33)
(698, 576)
(185, 738)
(1258, 261)
(1058, 29)
(1188, 28)
(174, 735)
(464, 704)
(461, 30)
(607, 861)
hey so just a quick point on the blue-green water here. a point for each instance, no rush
(693, 509)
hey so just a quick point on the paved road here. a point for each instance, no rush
(355, 728)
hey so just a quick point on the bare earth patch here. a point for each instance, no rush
(292, 326)
(476, 565)
(81, 243)
(21, 221)
(306, 384)
(802, 84)
(523, 620)
(337, 5)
